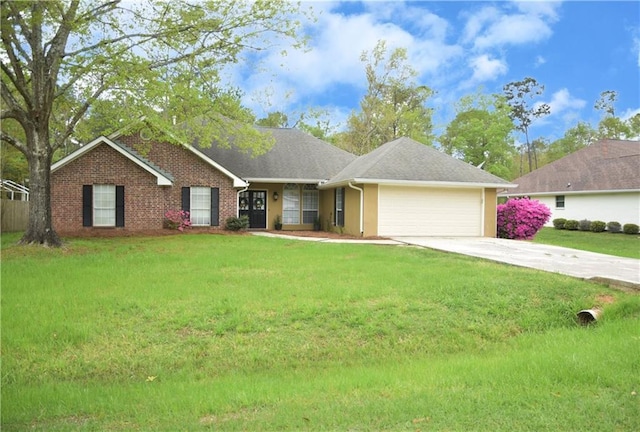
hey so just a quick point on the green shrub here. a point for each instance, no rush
(584, 225)
(559, 223)
(598, 226)
(614, 227)
(571, 224)
(630, 229)
(237, 224)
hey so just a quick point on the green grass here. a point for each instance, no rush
(623, 245)
(206, 332)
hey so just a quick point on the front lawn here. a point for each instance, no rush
(213, 332)
(619, 244)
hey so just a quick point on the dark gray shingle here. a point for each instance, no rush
(295, 156)
(605, 165)
(407, 160)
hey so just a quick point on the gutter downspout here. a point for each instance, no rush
(238, 199)
(361, 207)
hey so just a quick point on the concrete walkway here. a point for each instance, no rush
(624, 272)
(572, 262)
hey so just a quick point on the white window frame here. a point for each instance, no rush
(291, 204)
(310, 203)
(200, 206)
(104, 205)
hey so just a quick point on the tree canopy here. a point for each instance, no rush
(394, 105)
(157, 59)
(481, 133)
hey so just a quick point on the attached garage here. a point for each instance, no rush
(420, 211)
(405, 188)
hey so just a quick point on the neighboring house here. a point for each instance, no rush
(402, 188)
(598, 182)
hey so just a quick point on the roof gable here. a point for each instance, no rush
(407, 161)
(606, 165)
(163, 178)
(237, 181)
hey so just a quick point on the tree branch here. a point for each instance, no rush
(15, 14)
(80, 112)
(14, 142)
(17, 77)
(9, 99)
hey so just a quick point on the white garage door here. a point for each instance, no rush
(411, 211)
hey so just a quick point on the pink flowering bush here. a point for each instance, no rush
(177, 219)
(522, 218)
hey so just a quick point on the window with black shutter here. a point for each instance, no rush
(339, 207)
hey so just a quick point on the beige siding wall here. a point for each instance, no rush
(370, 210)
(351, 211)
(490, 212)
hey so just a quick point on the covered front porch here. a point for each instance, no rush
(286, 206)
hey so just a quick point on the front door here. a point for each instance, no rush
(254, 205)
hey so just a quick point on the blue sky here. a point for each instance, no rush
(575, 49)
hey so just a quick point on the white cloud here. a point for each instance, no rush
(539, 61)
(542, 8)
(630, 112)
(513, 30)
(485, 69)
(563, 106)
(476, 22)
(562, 101)
(333, 57)
(492, 27)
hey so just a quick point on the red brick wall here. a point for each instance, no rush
(145, 201)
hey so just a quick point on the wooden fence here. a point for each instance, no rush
(14, 215)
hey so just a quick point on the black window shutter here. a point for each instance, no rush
(215, 206)
(119, 206)
(340, 215)
(335, 206)
(186, 199)
(87, 205)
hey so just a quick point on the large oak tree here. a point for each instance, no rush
(158, 59)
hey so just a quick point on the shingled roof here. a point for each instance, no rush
(606, 165)
(405, 161)
(295, 157)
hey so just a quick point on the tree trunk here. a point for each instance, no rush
(40, 230)
(526, 133)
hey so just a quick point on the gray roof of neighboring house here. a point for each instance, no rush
(405, 160)
(606, 165)
(295, 156)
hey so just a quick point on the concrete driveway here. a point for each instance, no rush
(581, 264)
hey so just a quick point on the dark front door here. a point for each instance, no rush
(254, 205)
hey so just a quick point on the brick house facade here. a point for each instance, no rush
(141, 201)
(127, 183)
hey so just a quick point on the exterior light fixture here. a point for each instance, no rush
(275, 196)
